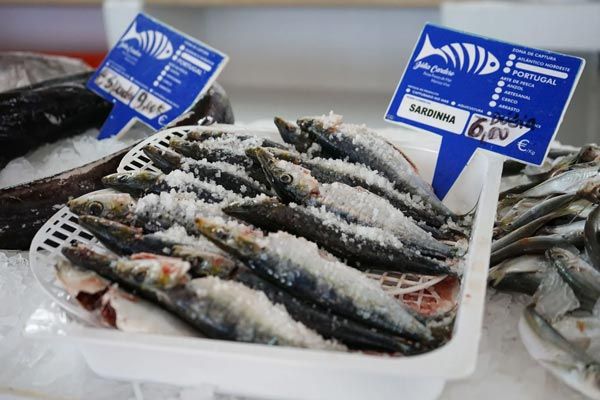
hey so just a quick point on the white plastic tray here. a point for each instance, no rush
(276, 372)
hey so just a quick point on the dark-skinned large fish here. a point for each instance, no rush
(219, 309)
(299, 268)
(362, 145)
(294, 183)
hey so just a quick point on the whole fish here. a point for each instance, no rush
(48, 111)
(357, 175)
(566, 182)
(583, 279)
(231, 177)
(520, 274)
(202, 135)
(592, 237)
(295, 183)
(143, 182)
(226, 151)
(25, 208)
(297, 266)
(361, 145)
(329, 325)
(219, 309)
(564, 360)
(204, 257)
(361, 247)
(534, 245)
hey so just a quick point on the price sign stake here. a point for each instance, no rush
(482, 93)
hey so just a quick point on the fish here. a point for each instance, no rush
(47, 111)
(358, 175)
(114, 206)
(25, 208)
(226, 151)
(144, 182)
(18, 69)
(297, 266)
(84, 285)
(231, 177)
(583, 279)
(564, 360)
(521, 274)
(466, 57)
(534, 245)
(361, 247)
(204, 257)
(566, 182)
(152, 42)
(361, 145)
(592, 237)
(293, 183)
(329, 325)
(219, 309)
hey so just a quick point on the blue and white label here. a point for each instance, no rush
(483, 93)
(153, 74)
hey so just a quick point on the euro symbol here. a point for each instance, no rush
(162, 120)
(522, 144)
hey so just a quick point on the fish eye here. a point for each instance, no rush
(221, 234)
(95, 208)
(286, 179)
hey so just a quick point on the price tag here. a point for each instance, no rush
(482, 93)
(153, 74)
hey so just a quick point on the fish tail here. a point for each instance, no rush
(428, 50)
(131, 33)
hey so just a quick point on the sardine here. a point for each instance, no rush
(583, 279)
(230, 176)
(522, 274)
(144, 182)
(219, 309)
(534, 245)
(566, 361)
(204, 257)
(592, 237)
(361, 247)
(297, 266)
(357, 205)
(365, 146)
(566, 182)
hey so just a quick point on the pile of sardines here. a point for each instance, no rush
(547, 244)
(243, 238)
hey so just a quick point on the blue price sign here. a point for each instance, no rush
(153, 74)
(482, 93)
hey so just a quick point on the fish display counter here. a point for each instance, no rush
(309, 258)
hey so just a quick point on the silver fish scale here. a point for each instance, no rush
(563, 183)
(253, 317)
(293, 257)
(369, 209)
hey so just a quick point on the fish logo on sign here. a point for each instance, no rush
(153, 43)
(464, 56)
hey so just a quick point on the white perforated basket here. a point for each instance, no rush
(258, 370)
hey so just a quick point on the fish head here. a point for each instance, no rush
(235, 238)
(324, 124)
(560, 256)
(591, 191)
(286, 155)
(109, 230)
(131, 182)
(164, 159)
(491, 65)
(588, 153)
(116, 206)
(288, 130)
(154, 270)
(182, 146)
(291, 182)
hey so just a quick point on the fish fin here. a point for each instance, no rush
(131, 33)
